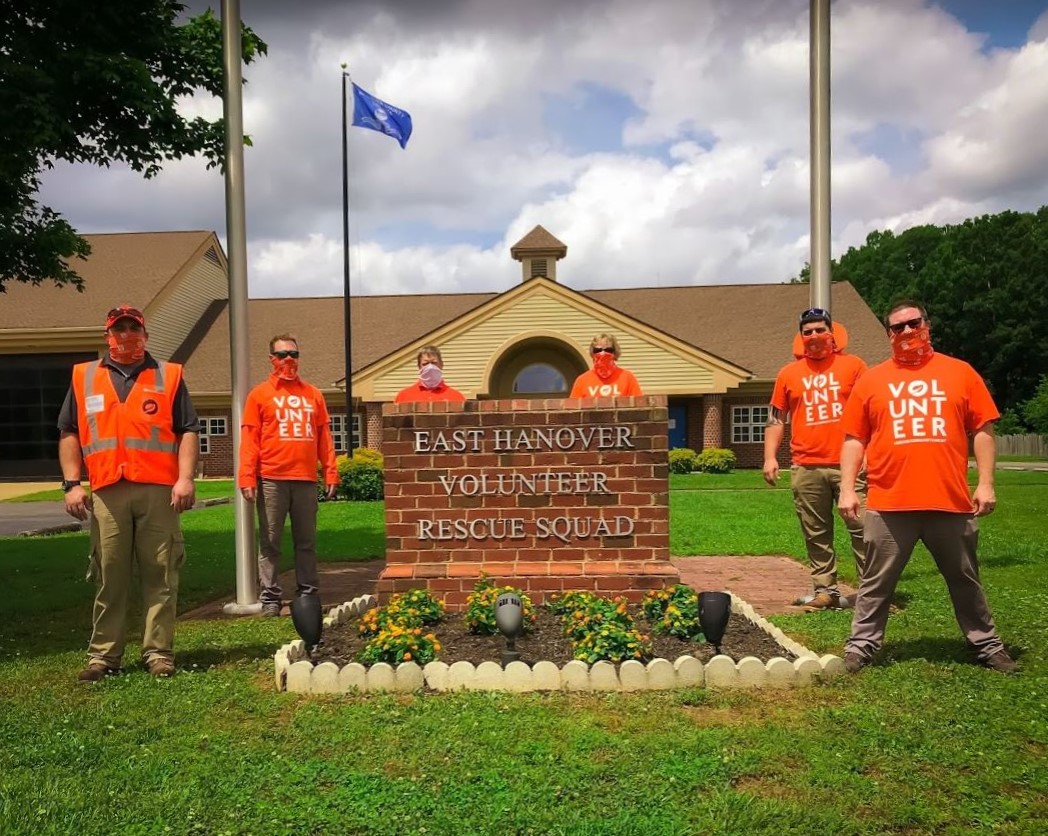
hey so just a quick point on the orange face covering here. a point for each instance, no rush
(126, 348)
(818, 346)
(913, 348)
(604, 365)
(286, 368)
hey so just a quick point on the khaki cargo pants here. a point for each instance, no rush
(816, 490)
(134, 525)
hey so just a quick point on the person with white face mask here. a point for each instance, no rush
(430, 385)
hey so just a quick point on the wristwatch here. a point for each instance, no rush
(69, 484)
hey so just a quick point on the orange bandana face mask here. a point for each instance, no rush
(286, 368)
(127, 347)
(818, 346)
(913, 348)
(604, 364)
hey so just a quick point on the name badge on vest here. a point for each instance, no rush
(94, 403)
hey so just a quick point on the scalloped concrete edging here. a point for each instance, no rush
(294, 672)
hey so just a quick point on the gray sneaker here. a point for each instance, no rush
(270, 610)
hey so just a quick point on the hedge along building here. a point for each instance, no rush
(712, 350)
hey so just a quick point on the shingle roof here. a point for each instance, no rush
(381, 325)
(123, 267)
(749, 325)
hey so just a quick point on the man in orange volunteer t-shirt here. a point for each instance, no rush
(607, 379)
(430, 385)
(812, 391)
(912, 417)
(284, 432)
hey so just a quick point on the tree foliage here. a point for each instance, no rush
(983, 282)
(1035, 410)
(97, 83)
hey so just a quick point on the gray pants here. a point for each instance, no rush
(952, 539)
(276, 500)
(816, 489)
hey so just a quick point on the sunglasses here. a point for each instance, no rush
(124, 310)
(603, 350)
(899, 327)
(815, 313)
(283, 355)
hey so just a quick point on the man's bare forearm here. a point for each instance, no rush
(188, 454)
(852, 453)
(70, 457)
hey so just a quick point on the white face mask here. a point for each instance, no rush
(430, 375)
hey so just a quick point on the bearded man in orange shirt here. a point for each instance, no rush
(812, 391)
(911, 417)
(284, 432)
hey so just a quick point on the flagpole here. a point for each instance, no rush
(346, 303)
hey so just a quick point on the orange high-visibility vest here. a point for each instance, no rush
(133, 440)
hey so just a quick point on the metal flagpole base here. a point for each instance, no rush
(233, 608)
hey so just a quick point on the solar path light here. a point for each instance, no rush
(308, 620)
(714, 611)
(509, 618)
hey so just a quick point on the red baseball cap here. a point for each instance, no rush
(124, 312)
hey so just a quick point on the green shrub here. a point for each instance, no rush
(397, 643)
(415, 604)
(715, 460)
(480, 607)
(673, 611)
(682, 460)
(614, 642)
(360, 478)
(569, 601)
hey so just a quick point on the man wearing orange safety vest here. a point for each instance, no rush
(128, 418)
(284, 432)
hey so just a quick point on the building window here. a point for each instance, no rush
(209, 426)
(338, 432)
(539, 378)
(747, 424)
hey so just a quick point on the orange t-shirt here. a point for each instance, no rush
(621, 384)
(284, 432)
(915, 423)
(813, 393)
(417, 393)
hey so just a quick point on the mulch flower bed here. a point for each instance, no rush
(546, 641)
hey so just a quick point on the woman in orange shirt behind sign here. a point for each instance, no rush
(606, 379)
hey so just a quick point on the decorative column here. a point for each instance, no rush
(712, 420)
(373, 425)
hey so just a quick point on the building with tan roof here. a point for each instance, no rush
(713, 351)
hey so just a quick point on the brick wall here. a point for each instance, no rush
(608, 513)
(219, 461)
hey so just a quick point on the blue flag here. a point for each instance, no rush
(369, 112)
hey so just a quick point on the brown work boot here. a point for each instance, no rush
(855, 662)
(823, 601)
(1000, 662)
(96, 672)
(160, 667)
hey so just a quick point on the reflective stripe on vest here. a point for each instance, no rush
(151, 443)
(97, 444)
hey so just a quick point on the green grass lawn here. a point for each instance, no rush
(922, 743)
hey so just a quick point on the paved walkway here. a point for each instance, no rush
(768, 583)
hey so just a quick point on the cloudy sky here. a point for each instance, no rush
(665, 142)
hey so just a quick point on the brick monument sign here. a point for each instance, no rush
(547, 495)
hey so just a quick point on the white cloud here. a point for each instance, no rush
(711, 180)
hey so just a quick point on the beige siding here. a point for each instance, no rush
(174, 313)
(469, 356)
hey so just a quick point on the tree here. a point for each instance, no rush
(983, 284)
(96, 83)
(1035, 410)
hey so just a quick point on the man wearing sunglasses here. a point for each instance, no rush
(812, 391)
(912, 417)
(284, 433)
(607, 379)
(128, 419)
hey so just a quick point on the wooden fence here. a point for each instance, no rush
(1023, 445)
